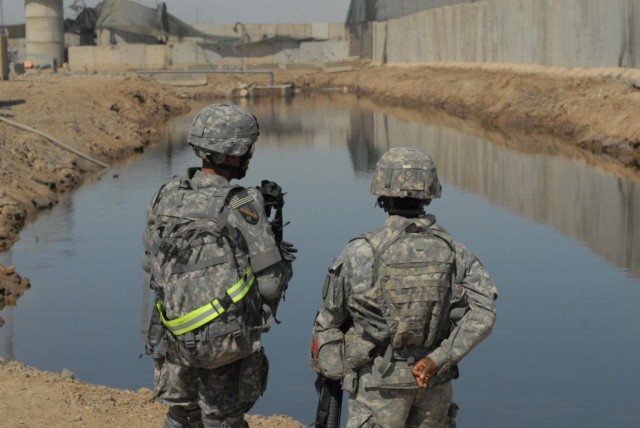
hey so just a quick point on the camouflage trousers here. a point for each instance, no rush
(396, 408)
(222, 395)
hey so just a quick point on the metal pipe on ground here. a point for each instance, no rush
(54, 141)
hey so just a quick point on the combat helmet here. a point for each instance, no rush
(406, 173)
(223, 129)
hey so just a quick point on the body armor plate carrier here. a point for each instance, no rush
(414, 268)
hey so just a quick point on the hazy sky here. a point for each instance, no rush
(221, 11)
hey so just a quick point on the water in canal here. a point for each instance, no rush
(561, 239)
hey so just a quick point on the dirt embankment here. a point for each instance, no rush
(33, 398)
(110, 117)
(594, 115)
(107, 118)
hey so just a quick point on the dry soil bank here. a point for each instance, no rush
(112, 117)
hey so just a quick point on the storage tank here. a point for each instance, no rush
(44, 27)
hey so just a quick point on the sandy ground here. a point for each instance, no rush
(31, 398)
(111, 117)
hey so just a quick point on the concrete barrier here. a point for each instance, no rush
(120, 58)
(331, 46)
(567, 33)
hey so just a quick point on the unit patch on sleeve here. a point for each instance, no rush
(242, 202)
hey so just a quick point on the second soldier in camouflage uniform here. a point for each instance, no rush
(401, 306)
(205, 391)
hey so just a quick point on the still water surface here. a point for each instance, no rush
(561, 239)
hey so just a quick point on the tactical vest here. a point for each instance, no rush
(202, 277)
(413, 272)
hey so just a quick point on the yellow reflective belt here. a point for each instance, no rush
(241, 288)
(210, 311)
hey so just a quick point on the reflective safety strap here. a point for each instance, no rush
(210, 311)
(241, 288)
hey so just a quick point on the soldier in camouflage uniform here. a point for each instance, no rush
(223, 136)
(401, 306)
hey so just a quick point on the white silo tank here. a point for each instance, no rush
(44, 28)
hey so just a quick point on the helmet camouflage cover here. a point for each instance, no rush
(406, 173)
(223, 128)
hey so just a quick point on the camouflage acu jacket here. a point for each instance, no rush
(351, 275)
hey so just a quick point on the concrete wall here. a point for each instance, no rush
(257, 32)
(384, 10)
(194, 52)
(567, 33)
(122, 58)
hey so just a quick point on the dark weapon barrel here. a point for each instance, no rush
(329, 404)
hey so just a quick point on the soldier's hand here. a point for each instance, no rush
(423, 370)
(288, 250)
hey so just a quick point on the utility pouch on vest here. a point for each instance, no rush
(155, 332)
(358, 351)
(331, 353)
(215, 345)
(445, 375)
(350, 382)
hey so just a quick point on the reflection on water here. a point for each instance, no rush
(599, 209)
(530, 217)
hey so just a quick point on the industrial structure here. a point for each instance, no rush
(124, 35)
(44, 26)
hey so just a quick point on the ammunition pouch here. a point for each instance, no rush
(359, 350)
(350, 382)
(155, 333)
(446, 374)
(330, 362)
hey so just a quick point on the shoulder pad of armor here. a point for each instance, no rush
(175, 181)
